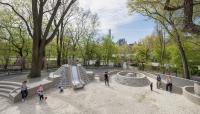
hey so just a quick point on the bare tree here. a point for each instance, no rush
(77, 28)
(61, 32)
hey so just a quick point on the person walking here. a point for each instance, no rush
(106, 78)
(158, 81)
(151, 86)
(24, 91)
(40, 92)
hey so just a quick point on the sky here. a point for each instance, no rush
(113, 14)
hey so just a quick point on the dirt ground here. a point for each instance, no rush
(96, 98)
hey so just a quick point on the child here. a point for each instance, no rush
(40, 92)
(151, 86)
(61, 89)
(24, 91)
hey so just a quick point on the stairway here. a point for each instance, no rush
(7, 87)
(64, 80)
(83, 74)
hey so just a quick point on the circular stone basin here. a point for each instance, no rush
(131, 75)
(132, 79)
(189, 92)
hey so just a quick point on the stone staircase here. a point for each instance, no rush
(7, 88)
(83, 74)
(64, 72)
(64, 78)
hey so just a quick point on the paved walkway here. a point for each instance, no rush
(96, 98)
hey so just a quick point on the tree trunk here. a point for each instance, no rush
(184, 60)
(162, 54)
(61, 45)
(58, 50)
(58, 58)
(74, 50)
(22, 59)
(37, 58)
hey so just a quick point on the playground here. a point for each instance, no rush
(99, 57)
(97, 98)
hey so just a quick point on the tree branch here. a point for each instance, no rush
(189, 25)
(18, 14)
(51, 19)
(60, 21)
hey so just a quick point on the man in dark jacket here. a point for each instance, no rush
(106, 78)
(158, 81)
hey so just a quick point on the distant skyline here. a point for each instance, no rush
(113, 14)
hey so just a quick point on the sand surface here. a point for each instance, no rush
(96, 98)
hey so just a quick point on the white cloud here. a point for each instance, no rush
(112, 13)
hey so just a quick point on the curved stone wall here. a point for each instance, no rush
(197, 88)
(188, 92)
(139, 81)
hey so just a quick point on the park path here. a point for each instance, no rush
(96, 98)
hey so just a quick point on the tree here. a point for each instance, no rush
(142, 51)
(82, 30)
(190, 8)
(62, 31)
(108, 48)
(5, 54)
(168, 20)
(161, 45)
(12, 31)
(89, 42)
(41, 30)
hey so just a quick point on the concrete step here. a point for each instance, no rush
(5, 90)
(11, 87)
(2, 94)
(10, 83)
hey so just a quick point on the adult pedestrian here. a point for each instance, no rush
(158, 81)
(106, 78)
(151, 86)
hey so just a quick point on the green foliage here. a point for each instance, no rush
(108, 48)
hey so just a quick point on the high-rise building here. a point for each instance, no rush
(121, 41)
(110, 33)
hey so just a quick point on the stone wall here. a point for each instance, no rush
(90, 75)
(15, 96)
(177, 82)
(197, 88)
(139, 81)
(188, 92)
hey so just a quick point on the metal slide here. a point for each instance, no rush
(76, 80)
